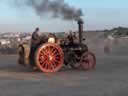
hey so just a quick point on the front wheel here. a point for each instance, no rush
(49, 58)
(88, 61)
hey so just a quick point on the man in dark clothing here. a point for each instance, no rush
(70, 38)
(35, 41)
(35, 37)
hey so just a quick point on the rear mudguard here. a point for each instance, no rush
(23, 51)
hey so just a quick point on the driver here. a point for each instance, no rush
(70, 38)
(35, 37)
(35, 41)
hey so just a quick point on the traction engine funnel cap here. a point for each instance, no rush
(80, 21)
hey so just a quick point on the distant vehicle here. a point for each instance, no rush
(4, 42)
(117, 42)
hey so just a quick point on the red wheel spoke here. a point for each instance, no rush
(56, 61)
(48, 49)
(41, 53)
(52, 50)
(53, 62)
(43, 65)
(52, 66)
(48, 66)
(57, 54)
(40, 61)
(58, 58)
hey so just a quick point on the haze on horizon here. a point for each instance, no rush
(98, 15)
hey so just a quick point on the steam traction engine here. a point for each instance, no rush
(53, 53)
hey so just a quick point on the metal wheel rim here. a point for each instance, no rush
(88, 61)
(49, 58)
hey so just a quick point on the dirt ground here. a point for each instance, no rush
(109, 78)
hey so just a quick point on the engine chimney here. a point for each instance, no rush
(80, 27)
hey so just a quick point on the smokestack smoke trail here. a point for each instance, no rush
(58, 8)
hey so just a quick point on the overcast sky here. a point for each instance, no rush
(98, 14)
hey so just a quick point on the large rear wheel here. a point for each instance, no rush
(49, 58)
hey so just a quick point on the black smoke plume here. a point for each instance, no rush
(57, 8)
